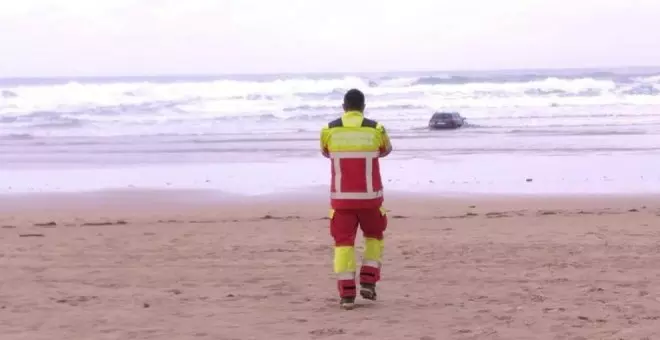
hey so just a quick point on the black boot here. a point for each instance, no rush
(368, 291)
(347, 303)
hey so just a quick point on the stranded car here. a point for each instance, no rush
(446, 120)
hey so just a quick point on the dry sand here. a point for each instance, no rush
(138, 266)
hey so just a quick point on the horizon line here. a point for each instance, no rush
(226, 74)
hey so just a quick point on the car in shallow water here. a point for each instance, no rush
(446, 120)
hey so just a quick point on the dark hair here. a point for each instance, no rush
(354, 100)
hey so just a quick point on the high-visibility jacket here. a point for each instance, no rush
(354, 144)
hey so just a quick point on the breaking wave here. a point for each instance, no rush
(160, 104)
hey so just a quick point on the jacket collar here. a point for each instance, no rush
(353, 113)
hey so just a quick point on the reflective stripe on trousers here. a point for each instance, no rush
(346, 276)
(369, 156)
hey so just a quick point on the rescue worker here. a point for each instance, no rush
(354, 145)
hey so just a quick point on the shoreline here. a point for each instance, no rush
(316, 194)
(137, 202)
(449, 174)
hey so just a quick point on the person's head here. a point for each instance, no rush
(354, 100)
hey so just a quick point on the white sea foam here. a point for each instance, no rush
(113, 107)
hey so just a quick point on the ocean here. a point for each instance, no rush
(527, 132)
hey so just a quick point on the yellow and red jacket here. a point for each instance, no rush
(355, 144)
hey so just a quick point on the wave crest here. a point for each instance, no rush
(160, 102)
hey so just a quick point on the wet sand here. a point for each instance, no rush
(181, 265)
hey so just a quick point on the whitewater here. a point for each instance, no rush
(528, 131)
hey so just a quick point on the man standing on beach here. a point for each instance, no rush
(354, 144)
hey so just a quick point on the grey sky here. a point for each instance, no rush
(123, 37)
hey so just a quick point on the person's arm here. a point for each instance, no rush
(324, 142)
(385, 143)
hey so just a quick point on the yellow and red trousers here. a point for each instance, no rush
(344, 225)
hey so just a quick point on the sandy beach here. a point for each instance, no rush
(183, 265)
(162, 169)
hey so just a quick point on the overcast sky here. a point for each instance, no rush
(138, 37)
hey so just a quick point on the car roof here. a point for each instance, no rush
(446, 114)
